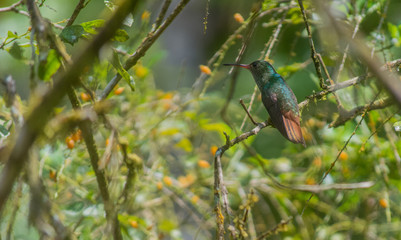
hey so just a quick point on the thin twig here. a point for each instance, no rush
(351, 114)
(278, 228)
(12, 7)
(77, 10)
(339, 105)
(143, 48)
(379, 127)
(162, 13)
(312, 46)
(246, 110)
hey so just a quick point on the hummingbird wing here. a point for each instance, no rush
(284, 120)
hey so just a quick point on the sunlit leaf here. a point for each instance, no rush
(218, 127)
(92, 26)
(167, 225)
(120, 36)
(50, 66)
(170, 132)
(11, 35)
(185, 144)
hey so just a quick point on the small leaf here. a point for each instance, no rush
(50, 66)
(167, 225)
(4, 130)
(393, 30)
(92, 26)
(185, 144)
(169, 132)
(117, 65)
(120, 36)
(11, 35)
(72, 33)
(16, 51)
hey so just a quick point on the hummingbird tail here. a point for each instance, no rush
(293, 129)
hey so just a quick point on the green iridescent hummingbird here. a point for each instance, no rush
(278, 98)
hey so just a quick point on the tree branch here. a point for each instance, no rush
(77, 10)
(40, 114)
(12, 7)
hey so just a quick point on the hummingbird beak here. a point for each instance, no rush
(237, 65)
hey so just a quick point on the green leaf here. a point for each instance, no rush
(50, 66)
(11, 35)
(4, 130)
(92, 26)
(289, 69)
(167, 225)
(120, 36)
(185, 144)
(117, 65)
(72, 33)
(16, 51)
(393, 30)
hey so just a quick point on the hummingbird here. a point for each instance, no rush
(278, 99)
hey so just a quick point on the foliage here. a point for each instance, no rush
(151, 172)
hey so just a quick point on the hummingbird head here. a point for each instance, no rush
(261, 70)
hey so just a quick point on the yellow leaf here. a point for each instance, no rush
(169, 132)
(185, 144)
